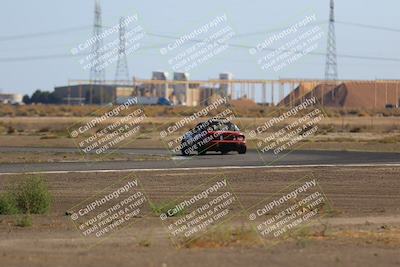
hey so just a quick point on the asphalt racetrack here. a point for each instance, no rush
(251, 159)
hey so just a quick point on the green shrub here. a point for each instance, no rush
(8, 204)
(24, 221)
(32, 196)
(144, 243)
(164, 207)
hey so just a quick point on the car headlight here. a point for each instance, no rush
(240, 138)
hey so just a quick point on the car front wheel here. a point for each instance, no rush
(185, 151)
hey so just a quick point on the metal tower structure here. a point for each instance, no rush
(97, 71)
(122, 72)
(331, 71)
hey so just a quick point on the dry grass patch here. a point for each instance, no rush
(385, 236)
(224, 236)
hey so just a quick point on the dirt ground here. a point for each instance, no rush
(29, 157)
(363, 228)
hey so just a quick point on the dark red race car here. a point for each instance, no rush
(213, 135)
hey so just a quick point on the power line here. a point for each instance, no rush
(68, 55)
(32, 58)
(274, 49)
(368, 26)
(275, 30)
(41, 34)
(80, 28)
(55, 56)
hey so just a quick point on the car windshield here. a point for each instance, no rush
(215, 126)
(223, 126)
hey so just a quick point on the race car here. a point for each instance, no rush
(219, 135)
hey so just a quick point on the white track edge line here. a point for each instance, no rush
(210, 167)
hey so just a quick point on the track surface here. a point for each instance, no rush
(252, 158)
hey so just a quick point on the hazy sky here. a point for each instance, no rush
(23, 67)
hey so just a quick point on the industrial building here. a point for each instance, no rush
(92, 93)
(348, 94)
(11, 98)
(179, 91)
(183, 91)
